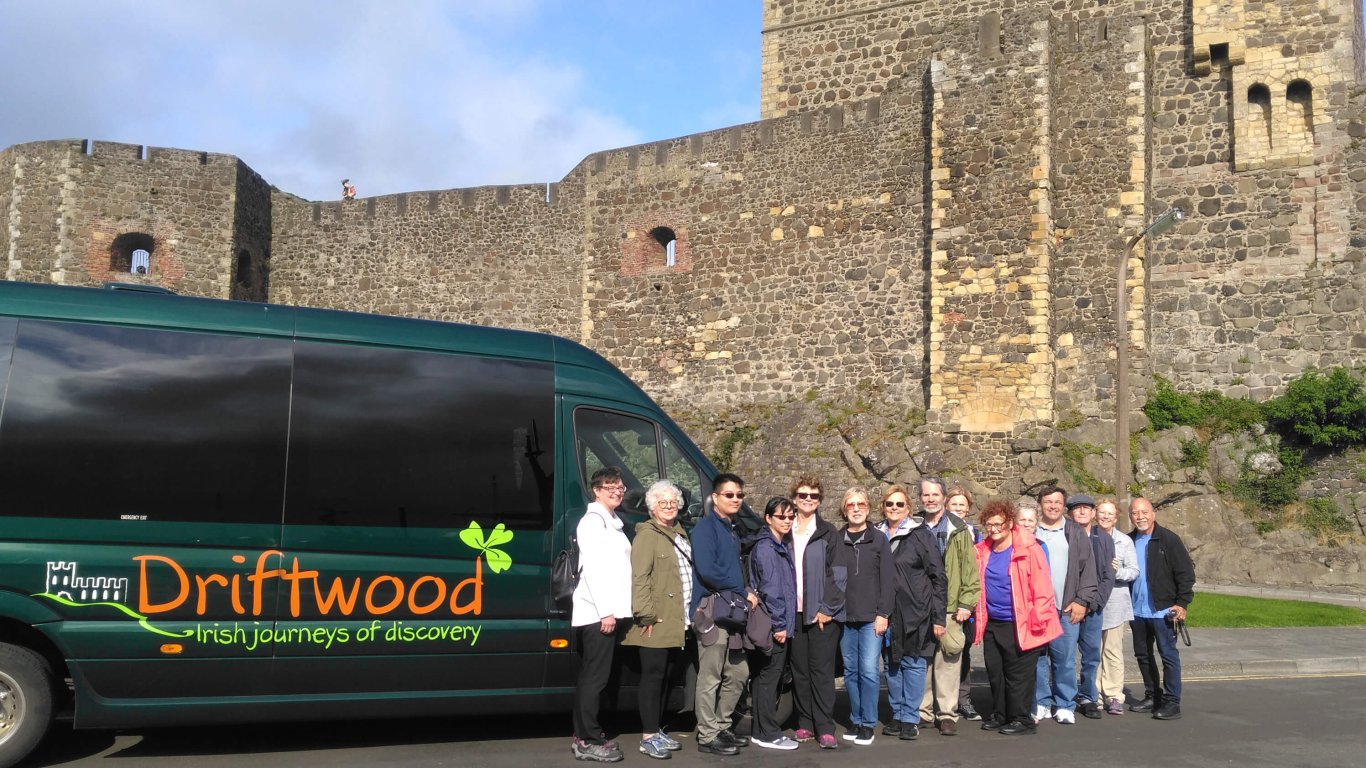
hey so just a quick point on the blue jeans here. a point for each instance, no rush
(1060, 659)
(906, 687)
(861, 648)
(1146, 632)
(1088, 642)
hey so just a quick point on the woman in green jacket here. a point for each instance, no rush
(661, 587)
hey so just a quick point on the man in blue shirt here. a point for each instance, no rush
(1163, 590)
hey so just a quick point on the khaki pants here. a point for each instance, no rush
(941, 686)
(721, 675)
(1112, 664)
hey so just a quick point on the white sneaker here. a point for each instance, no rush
(1065, 717)
(1042, 713)
(782, 742)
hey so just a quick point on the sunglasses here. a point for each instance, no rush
(784, 517)
(897, 504)
(815, 496)
(734, 495)
(856, 505)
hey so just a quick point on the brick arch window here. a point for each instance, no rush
(1299, 103)
(131, 253)
(668, 241)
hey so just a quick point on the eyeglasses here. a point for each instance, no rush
(802, 495)
(856, 505)
(896, 504)
(667, 505)
(612, 488)
(734, 494)
(994, 526)
(784, 517)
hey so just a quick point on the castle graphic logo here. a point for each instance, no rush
(63, 581)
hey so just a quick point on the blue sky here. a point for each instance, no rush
(398, 96)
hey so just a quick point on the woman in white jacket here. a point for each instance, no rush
(1118, 610)
(602, 610)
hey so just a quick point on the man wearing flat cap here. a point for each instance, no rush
(1082, 509)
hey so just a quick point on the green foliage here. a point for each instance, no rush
(1321, 411)
(1277, 489)
(1209, 411)
(1324, 519)
(1210, 610)
(1074, 461)
(1266, 526)
(732, 443)
(1194, 453)
(1071, 420)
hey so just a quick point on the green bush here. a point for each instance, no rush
(1321, 411)
(1208, 410)
(1276, 490)
(1324, 519)
(1194, 453)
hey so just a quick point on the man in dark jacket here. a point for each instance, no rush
(1082, 509)
(1162, 592)
(721, 669)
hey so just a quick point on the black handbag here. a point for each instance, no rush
(729, 609)
(564, 572)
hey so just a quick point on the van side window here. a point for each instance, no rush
(8, 327)
(683, 473)
(608, 439)
(407, 439)
(109, 423)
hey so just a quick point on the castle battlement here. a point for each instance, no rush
(63, 580)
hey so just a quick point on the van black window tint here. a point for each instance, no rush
(8, 327)
(398, 438)
(609, 439)
(112, 423)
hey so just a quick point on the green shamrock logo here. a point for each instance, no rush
(497, 559)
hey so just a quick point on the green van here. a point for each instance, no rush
(217, 511)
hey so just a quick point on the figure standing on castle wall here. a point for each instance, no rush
(348, 190)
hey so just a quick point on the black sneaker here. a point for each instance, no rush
(717, 747)
(892, 728)
(1169, 710)
(865, 735)
(993, 723)
(968, 712)
(1018, 728)
(728, 737)
(910, 730)
(1090, 710)
(1147, 704)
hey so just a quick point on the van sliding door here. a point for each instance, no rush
(418, 522)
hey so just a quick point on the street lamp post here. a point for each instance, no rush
(1161, 224)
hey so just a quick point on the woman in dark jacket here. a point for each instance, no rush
(921, 597)
(816, 638)
(773, 576)
(863, 567)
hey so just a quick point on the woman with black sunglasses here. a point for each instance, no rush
(773, 576)
(920, 599)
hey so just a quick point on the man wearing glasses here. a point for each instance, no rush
(1162, 592)
(721, 664)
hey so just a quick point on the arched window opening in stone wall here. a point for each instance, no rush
(131, 253)
(1258, 119)
(1299, 102)
(242, 276)
(668, 243)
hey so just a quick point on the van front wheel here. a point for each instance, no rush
(26, 687)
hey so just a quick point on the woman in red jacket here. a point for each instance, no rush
(1016, 616)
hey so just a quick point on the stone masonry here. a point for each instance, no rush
(932, 208)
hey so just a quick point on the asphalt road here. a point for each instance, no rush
(1245, 723)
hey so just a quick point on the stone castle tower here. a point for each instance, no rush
(933, 207)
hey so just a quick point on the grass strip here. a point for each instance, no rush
(1235, 611)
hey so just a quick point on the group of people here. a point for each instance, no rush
(1035, 583)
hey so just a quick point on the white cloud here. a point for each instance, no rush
(396, 96)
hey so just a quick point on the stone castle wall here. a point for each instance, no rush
(934, 209)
